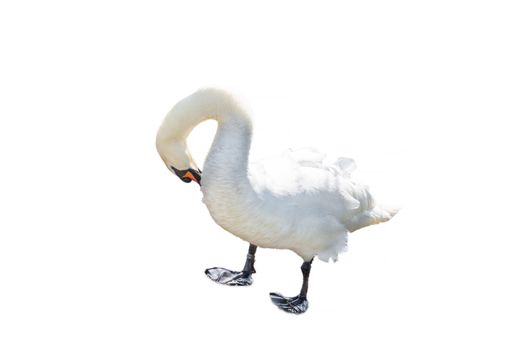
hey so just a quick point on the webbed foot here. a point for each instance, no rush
(228, 277)
(294, 305)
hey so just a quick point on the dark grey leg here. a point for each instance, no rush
(305, 268)
(235, 278)
(249, 267)
(297, 304)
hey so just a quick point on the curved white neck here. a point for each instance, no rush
(227, 160)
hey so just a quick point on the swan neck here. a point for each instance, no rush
(229, 153)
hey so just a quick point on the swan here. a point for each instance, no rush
(297, 201)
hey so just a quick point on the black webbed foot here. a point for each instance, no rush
(295, 305)
(228, 277)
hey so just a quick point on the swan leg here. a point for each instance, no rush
(235, 278)
(297, 304)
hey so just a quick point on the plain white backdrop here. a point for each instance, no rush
(102, 248)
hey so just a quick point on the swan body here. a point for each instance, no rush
(299, 201)
(290, 203)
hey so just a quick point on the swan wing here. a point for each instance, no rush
(303, 172)
(310, 157)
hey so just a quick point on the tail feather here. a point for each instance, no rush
(383, 213)
(376, 215)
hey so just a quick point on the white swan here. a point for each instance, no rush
(296, 202)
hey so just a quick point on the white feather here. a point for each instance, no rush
(299, 201)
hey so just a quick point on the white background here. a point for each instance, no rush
(102, 248)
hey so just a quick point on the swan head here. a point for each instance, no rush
(178, 160)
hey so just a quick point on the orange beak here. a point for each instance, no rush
(189, 175)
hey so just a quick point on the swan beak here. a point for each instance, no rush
(189, 175)
(192, 175)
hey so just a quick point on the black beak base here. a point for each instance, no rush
(197, 174)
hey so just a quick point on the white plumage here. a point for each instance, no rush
(298, 201)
